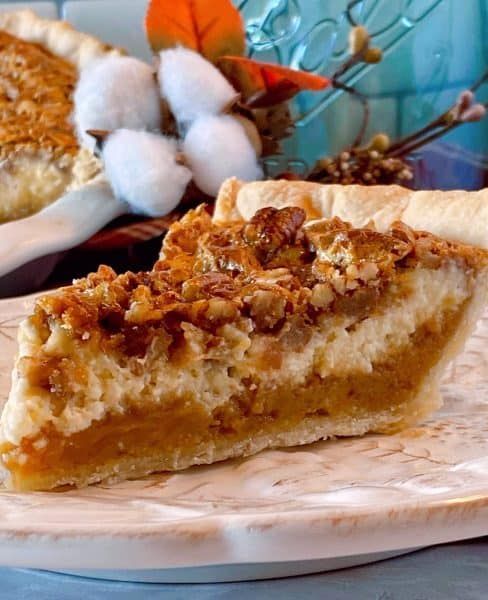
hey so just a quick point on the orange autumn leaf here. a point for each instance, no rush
(265, 84)
(211, 27)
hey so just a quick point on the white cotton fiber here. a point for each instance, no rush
(116, 92)
(217, 147)
(192, 85)
(143, 171)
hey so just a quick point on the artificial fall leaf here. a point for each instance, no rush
(211, 27)
(265, 84)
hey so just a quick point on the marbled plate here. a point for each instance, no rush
(318, 507)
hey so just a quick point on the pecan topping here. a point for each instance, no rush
(322, 295)
(207, 285)
(35, 99)
(270, 229)
(218, 251)
(354, 246)
(267, 308)
(269, 275)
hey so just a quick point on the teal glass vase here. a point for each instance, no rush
(433, 49)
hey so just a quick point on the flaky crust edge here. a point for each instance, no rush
(57, 36)
(456, 215)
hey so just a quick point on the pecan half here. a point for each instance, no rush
(270, 229)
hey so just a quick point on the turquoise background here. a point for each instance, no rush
(433, 50)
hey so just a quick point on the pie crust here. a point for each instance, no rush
(40, 157)
(245, 335)
(454, 215)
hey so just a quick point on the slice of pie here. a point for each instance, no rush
(39, 154)
(246, 335)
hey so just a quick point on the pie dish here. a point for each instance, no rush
(245, 335)
(40, 157)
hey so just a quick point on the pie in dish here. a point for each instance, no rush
(247, 334)
(39, 153)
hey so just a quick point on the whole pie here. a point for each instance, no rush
(269, 331)
(40, 156)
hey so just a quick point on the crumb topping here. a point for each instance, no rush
(35, 99)
(271, 270)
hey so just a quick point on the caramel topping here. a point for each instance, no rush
(270, 271)
(35, 99)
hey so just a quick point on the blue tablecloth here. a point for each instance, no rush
(451, 572)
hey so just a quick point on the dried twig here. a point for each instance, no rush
(480, 81)
(350, 6)
(435, 124)
(449, 120)
(405, 149)
(364, 102)
(380, 162)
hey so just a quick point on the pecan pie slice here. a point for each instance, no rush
(245, 335)
(39, 154)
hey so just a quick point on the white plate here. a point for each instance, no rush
(287, 512)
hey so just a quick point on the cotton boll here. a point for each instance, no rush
(216, 148)
(143, 171)
(252, 133)
(192, 85)
(116, 92)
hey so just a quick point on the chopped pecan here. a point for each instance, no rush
(430, 255)
(184, 235)
(176, 270)
(316, 229)
(346, 247)
(271, 229)
(221, 311)
(267, 308)
(104, 274)
(403, 232)
(322, 295)
(208, 285)
(367, 271)
(223, 250)
(269, 277)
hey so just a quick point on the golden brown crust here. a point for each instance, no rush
(454, 215)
